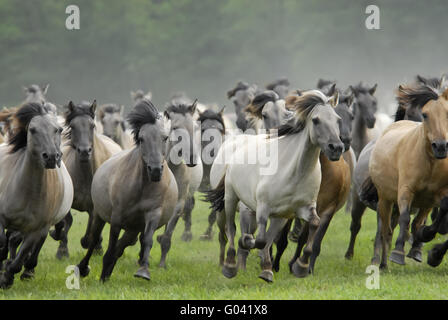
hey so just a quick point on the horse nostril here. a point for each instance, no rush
(331, 146)
(45, 155)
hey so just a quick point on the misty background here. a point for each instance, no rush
(204, 47)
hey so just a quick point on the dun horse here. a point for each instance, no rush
(83, 154)
(135, 191)
(36, 190)
(405, 145)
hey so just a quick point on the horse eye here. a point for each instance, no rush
(425, 116)
(316, 120)
(32, 130)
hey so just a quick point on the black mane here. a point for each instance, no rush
(84, 108)
(144, 112)
(179, 107)
(23, 116)
(255, 108)
(241, 85)
(279, 82)
(415, 95)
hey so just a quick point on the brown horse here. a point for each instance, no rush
(36, 190)
(135, 191)
(83, 153)
(403, 146)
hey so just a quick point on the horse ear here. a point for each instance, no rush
(192, 108)
(93, 107)
(122, 110)
(350, 99)
(445, 94)
(334, 100)
(221, 112)
(421, 79)
(71, 106)
(166, 114)
(332, 90)
(373, 89)
(299, 92)
(45, 89)
(149, 94)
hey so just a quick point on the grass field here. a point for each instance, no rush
(193, 271)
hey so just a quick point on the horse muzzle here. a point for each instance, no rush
(439, 148)
(334, 151)
(84, 153)
(155, 173)
(51, 160)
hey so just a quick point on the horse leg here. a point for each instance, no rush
(300, 268)
(385, 212)
(229, 268)
(152, 222)
(189, 205)
(63, 236)
(4, 249)
(428, 233)
(276, 225)
(94, 235)
(129, 238)
(84, 240)
(325, 220)
(14, 242)
(301, 241)
(282, 244)
(436, 254)
(416, 250)
(221, 223)
(31, 261)
(165, 238)
(358, 210)
(404, 206)
(14, 266)
(208, 234)
(294, 234)
(110, 257)
(248, 227)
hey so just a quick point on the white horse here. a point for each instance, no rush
(279, 194)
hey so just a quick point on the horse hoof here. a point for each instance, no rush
(6, 282)
(84, 271)
(415, 254)
(349, 255)
(300, 270)
(383, 266)
(229, 271)
(187, 236)
(143, 273)
(397, 257)
(27, 275)
(206, 237)
(85, 243)
(434, 257)
(267, 275)
(62, 253)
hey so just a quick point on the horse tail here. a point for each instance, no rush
(216, 196)
(369, 194)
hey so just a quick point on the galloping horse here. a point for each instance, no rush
(36, 190)
(83, 153)
(241, 96)
(403, 145)
(135, 191)
(185, 162)
(291, 191)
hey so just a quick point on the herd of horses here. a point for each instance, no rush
(140, 172)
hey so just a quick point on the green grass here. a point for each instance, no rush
(193, 272)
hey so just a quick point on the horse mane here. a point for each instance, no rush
(255, 107)
(23, 117)
(323, 83)
(431, 82)
(179, 107)
(241, 85)
(212, 115)
(143, 113)
(301, 106)
(279, 82)
(415, 95)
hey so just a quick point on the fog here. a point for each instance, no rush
(205, 47)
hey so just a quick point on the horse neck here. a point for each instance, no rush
(360, 138)
(30, 176)
(303, 154)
